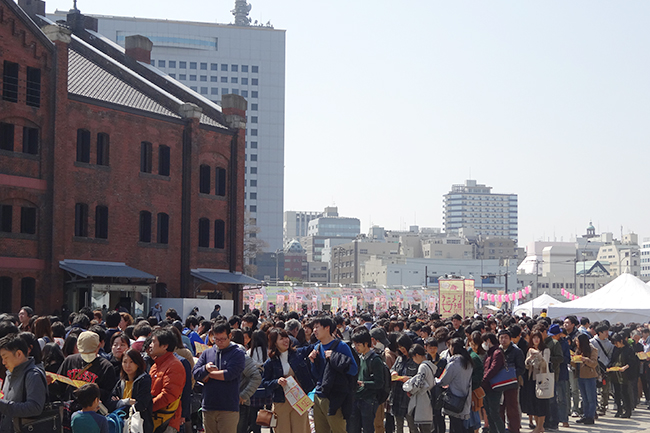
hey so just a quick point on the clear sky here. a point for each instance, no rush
(390, 103)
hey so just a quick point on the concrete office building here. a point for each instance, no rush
(217, 59)
(473, 205)
(295, 223)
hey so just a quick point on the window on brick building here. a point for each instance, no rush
(145, 157)
(81, 220)
(103, 144)
(6, 216)
(28, 292)
(162, 234)
(83, 145)
(6, 284)
(204, 232)
(10, 81)
(163, 160)
(145, 226)
(7, 136)
(101, 222)
(219, 234)
(28, 220)
(220, 181)
(33, 87)
(204, 179)
(30, 140)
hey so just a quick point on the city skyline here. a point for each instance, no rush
(385, 110)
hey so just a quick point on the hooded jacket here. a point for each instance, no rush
(141, 393)
(250, 380)
(25, 392)
(420, 386)
(459, 380)
(221, 394)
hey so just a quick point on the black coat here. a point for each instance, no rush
(141, 393)
(338, 386)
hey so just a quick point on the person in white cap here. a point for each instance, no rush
(88, 367)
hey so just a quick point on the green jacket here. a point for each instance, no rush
(556, 355)
(371, 374)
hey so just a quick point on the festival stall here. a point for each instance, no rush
(625, 299)
(535, 306)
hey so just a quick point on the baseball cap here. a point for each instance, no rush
(87, 344)
(380, 335)
(554, 330)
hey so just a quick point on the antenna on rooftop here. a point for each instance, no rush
(242, 8)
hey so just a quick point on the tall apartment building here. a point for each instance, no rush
(296, 223)
(218, 59)
(473, 205)
(645, 257)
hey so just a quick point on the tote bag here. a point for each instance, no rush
(544, 385)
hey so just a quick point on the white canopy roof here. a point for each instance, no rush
(536, 305)
(625, 299)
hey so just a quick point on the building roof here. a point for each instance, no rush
(216, 276)
(93, 268)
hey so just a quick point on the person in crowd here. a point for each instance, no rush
(251, 379)
(52, 357)
(126, 320)
(89, 367)
(623, 358)
(87, 420)
(293, 327)
(514, 358)
(285, 361)
(537, 361)
(587, 370)
(404, 368)
(334, 369)
(458, 378)
(113, 319)
(605, 350)
(571, 324)
(141, 332)
(134, 388)
(167, 381)
(192, 323)
(216, 313)
(418, 390)
(220, 369)
(250, 321)
(494, 362)
(24, 388)
(370, 381)
(120, 343)
(478, 355)
(42, 330)
(156, 312)
(24, 315)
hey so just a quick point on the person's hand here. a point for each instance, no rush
(328, 353)
(313, 355)
(210, 367)
(49, 380)
(625, 368)
(131, 401)
(115, 398)
(409, 394)
(241, 401)
(404, 379)
(359, 383)
(282, 381)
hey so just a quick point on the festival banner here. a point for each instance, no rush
(452, 297)
(469, 297)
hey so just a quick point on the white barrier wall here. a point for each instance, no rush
(185, 305)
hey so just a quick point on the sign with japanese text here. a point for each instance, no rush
(452, 297)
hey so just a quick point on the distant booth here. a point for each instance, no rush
(221, 284)
(95, 284)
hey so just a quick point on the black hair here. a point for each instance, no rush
(603, 328)
(165, 337)
(515, 331)
(142, 329)
(137, 359)
(13, 343)
(404, 341)
(573, 319)
(69, 345)
(417, 349)
(361, 336)
(252, 318)
(220, 328)
(7, 328)
(491, 337)
(260, 339)
(87, 394)
(99, 331)
(28, 310)
(584, 321)
(33, 346)
(191, 321)
(325, 322)
(458, 348)
(237, 336)
(58, 329)
(431, 342)
(82, 321)
(456, 317)
(52, 354)
(234, 320)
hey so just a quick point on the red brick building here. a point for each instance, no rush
(114, 178)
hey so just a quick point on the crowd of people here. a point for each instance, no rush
(364, 372)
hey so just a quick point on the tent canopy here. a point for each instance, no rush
(625, 299)
(536, 305)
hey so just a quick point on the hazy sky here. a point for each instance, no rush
(390, 103)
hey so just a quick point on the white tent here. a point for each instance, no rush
(536, 305)
(625, 299)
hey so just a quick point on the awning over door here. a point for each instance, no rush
(92, 268)
(216, 276)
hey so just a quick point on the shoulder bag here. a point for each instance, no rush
(49, 421)
(267, 418)
(505, 378)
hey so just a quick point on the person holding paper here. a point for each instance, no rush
(285, 361)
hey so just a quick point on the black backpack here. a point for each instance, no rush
(382, 394)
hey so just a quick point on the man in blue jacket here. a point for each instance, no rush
(335, 370)
(220, 369)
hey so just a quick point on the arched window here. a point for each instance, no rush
(219, 234)
(28, 292)
(204, 232)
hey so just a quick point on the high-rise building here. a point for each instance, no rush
(296, 223)
(217, 59)
(473, 205)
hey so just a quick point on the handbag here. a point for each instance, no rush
(544, 385)
(477, 398)
(135, 422)
(49, 421)
(451, 402)
(267, 418)
(505, 378)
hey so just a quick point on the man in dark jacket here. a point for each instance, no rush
(25, 389)
(514, 357)
(335, 370)
(551, 341)
(370, 381)
(220, 369)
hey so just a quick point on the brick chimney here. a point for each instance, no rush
(33, 8)
(138, 47)
(234, 109)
